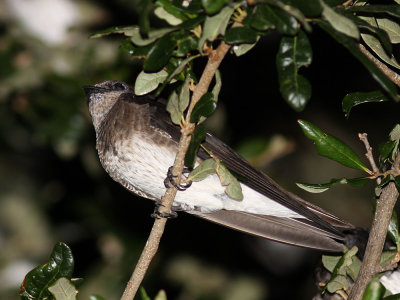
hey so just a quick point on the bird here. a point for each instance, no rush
(137, 142)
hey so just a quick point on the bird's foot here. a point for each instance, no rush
(170, 180)
(158, 215)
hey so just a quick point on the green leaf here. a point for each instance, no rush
(375, 45)
(240, 35)
(294, 52)
(184, 95)
(270, 17)
(205, 107)
(339, 282)
(392, 297)
(374, 291)
(233, 188)
(244, 48)
(397, 183)
(144, 7)
(330, 262)
(391, 10)
(185, 46)
(387, 257)
(322, 187)
(198, 136)
(161, 295)
(148, 82)
(173, 108)
(310, 8)
(115, 29)
(96, 297)
(340, 22)
(161, 13)
(353, 48)
(354, 99)
(152, 36)
(143, 294)
(204, 169)
(213, 6)
(172, 9)
(386, 149)
(37, 281)
(332, 148)
(393, 230)
(215, 25)
(392, 28)
(62, 289)
(218, 84)
(161, 51)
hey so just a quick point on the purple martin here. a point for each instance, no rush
(137, 143)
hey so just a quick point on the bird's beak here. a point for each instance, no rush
(91, 89)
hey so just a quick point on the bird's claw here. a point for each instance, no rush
(158, 215)
(170, 180)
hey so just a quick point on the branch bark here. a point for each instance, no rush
(214, 60)
(393, 76)
(371, 263)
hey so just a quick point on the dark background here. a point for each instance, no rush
(52, 187)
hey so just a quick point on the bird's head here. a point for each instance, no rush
(101, 98)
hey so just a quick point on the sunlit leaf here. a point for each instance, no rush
(62, 289)
(331, 147)
(148, 82)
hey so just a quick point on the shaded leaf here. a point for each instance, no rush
(393, 230)
(386, 149)
(374, 290)
(392, 28)
(217, 87)
(144, 7)
(331, 147)
(339, 282)
(240, 35)
(172, 9)
(233, 188)
(392, 297)
(143, 294)
(270, 17)
(387, 257)
(96, 297)
(397, 183)
(174, 109)
(205, 107)
(62, 289)
(322, 187)
(148, 82)
(339, 22)
(310, 8)
(354, 99)
(37, 281)
(215, 25)
(198, 136)
(392, 10)
(353, 48)
(213, 6)
(204, 169)
(184, 95)
(377, 47)
(294, 52)
(152, 36)
(243, 48)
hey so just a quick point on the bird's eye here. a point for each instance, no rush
(118, 86)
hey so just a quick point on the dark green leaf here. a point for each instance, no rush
(322, 187)
(397, 183)
(331, 147)
(192, 23)
(392, 10)
(386, 149)
(392, 297)
(294, 52)
(144, 21)
(37, 281)
(374, 291)
(172, 9)
(160, 53)
(194, 7)
(186, 45)
(198, 136)
(143, 294)
(354, 99)
(310, 8)
(393, 230)
(213, 6)
(353, 48)
(270, 17)
(205, 107)
(127, 46)
(240, 35)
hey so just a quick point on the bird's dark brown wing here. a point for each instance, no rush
(313, 232)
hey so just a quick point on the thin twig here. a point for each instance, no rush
(371, 266)
(364, 138)
(393, 76)
(150, 249)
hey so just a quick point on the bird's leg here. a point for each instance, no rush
(170, 179)
(157, 214)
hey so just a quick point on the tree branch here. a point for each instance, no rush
(371, 263)
(151, 247)
(393, 76)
